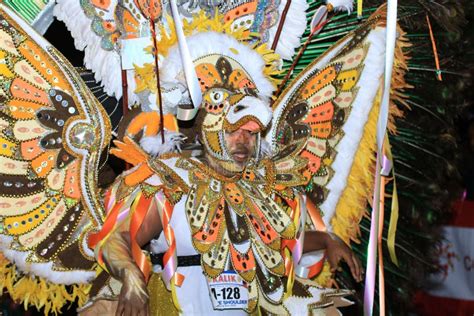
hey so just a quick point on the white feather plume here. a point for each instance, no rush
(105, 64)
(342, 5)
(154, 146)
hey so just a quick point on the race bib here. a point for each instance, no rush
(228, 291)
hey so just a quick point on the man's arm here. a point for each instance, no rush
(315, 240)
(336, 250)
(133, 299)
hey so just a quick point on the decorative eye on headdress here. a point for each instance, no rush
(215, 100)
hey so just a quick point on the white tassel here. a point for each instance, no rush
(153, 145)
(341, 5)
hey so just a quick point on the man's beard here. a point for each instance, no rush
(231, 167)
(240, 154)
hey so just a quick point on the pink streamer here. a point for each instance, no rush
(369, 290)
(123, 215)
(169, 269)
(297, 251)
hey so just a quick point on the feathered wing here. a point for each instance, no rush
(52, 133)
(328, 116)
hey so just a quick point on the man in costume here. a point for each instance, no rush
(241, 145)
(232, 224)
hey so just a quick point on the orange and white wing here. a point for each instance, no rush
(326, 119)
(52, 132)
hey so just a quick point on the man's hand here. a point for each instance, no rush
(133, 299)
(336, 250)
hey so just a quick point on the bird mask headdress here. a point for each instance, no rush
(235, 91)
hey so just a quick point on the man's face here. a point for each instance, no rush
(241, 145)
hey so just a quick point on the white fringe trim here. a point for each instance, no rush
(107, 67)
(105, 64)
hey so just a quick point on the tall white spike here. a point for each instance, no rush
(188, 65)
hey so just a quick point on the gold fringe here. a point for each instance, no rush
(35, 291)
(353, 201)
(398, 84)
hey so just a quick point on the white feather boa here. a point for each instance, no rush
(293, 29)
